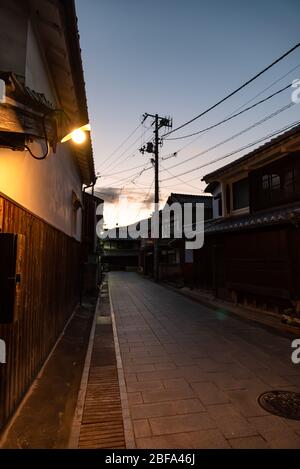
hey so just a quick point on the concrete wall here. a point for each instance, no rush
(43, 187)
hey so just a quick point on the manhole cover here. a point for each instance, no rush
(283, 403)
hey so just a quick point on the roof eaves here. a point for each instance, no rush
(69, 20)
(274, 142)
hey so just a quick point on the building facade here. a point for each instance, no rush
(175, 261)
(41, 202)
(251, 254)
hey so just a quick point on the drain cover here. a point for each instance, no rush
(283, 403)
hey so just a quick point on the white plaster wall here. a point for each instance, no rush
(215, 203)
(43, 187)
(36, 76)
(13, 35)
(216, 208)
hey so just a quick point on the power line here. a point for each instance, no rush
(145, 199)
(132, 179)
(121, 144)
(238, 108)
(234, 115)
(232, 137)
(266, 88)
(201, 131)
(122, 171)
(113, 163)
(171, 155)
(179, 179)
(235, 91)
(132, 176)
(140, 173)
(249, 145)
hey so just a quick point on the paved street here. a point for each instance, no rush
(193, 374)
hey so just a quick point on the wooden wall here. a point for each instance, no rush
(49, 291)
(259, 266)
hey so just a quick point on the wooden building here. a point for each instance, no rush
(251, 253)
(40, 185)
(91, 271)
(175, 262)
(120, 252)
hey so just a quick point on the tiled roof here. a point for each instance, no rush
(190, 198)
(272, 217)
(57, 28)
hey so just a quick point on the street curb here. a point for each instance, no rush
(127, 422)
(77, 419)
(280, 329)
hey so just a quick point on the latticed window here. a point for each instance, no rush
(276, 184)
(240, 194)
(271, 182)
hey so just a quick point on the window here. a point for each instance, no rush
(168, 257)
(276, 184)
(271, 182)
(289, 182)
(240, 194)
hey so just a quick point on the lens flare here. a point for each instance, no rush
(78, 136)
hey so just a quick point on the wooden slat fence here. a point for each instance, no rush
(49, 291)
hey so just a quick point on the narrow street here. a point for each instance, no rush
(193, 375)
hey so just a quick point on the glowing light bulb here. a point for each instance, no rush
(78, 136)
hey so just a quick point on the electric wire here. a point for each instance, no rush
(266, 88)
(238, 134)
(257, 75)
(227, 155)
(121, 144)
(233, 115)
(145, 200)
(179, 179)
(113, 164)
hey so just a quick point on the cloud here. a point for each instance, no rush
(108, 194)
(112, 195)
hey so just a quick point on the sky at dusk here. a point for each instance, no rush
(176, 58)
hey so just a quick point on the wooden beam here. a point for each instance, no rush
(11, 120)
(290, 146)
(1, 213)
(25, 121)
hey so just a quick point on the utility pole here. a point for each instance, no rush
(156, 163)
(149, 147)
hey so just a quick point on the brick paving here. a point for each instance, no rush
(193, 374)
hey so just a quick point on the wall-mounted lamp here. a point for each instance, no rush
(77, 135)
(27, 115)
